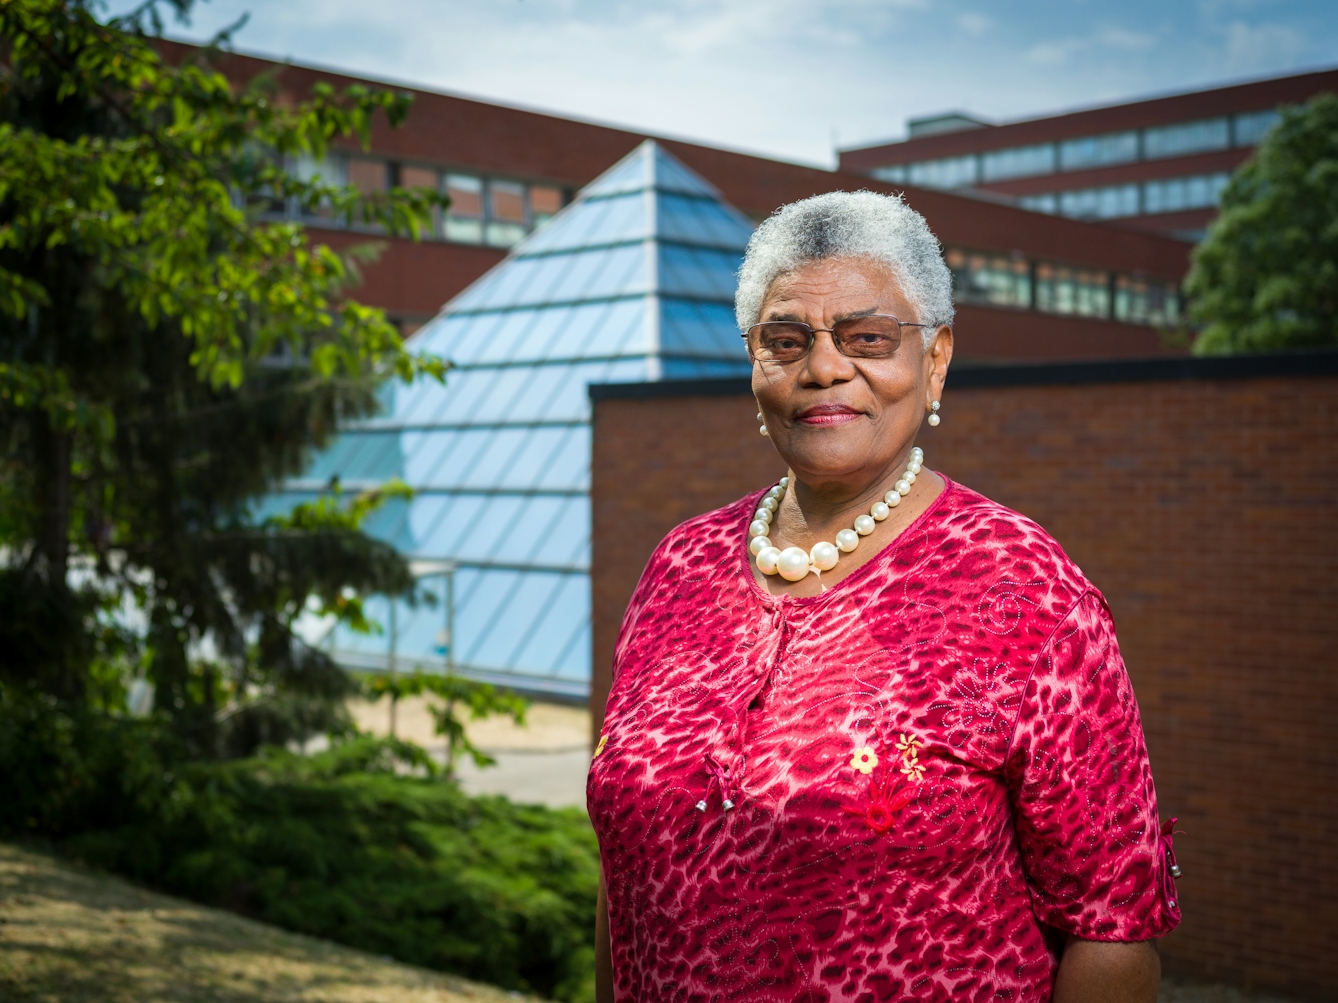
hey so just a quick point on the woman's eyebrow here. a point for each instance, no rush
(789, 317)
(856, 314)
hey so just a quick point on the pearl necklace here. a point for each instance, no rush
(792, 563)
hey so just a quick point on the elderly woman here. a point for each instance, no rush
(870, 736)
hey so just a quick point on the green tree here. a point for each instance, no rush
(1266, 277)
(170, 347)
(450, 696)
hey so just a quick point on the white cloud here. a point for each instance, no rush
(1123, 38)
(780, 75)
(1251, 47)
(974, 24)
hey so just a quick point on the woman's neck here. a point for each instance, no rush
(822, 507)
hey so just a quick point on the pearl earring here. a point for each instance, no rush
(763, 429)
(933, 413)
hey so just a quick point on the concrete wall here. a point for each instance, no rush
(1202, 498)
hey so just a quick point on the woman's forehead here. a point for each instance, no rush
(845, 285)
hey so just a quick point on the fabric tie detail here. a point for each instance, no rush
(1172, 869)
(720, 776)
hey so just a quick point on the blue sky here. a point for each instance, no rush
(788, 77)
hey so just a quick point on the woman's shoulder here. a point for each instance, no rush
(991, 541)
(708, 538)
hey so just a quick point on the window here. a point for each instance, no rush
(951, 172)
(1138, 301)
(1186, 138)
(1098, 151)
(329, 171)
(418, 177)
(897, 174)
(1040, 203)
(1018, 162)
(1013, 281)
(1251, 126)
(1109, 202)
(464, 218)
(994, 279)
(506, 213)
(545, 202)
(1072, 291)
(1178, 194)
(368, 176)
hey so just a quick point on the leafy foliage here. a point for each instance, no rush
(170, 348)
(452, 695)
(1266, 277)
(337, 845)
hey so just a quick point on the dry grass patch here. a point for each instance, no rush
(68, 935)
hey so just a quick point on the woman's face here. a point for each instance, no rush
(837, 420)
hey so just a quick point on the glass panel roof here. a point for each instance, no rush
(649, 166)
(635, 277)
(692, 327)
(613, 220)
(699, 272)
(703, 222)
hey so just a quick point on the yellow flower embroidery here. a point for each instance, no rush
(603, 741)
(864, 760)
(912, 767)
(908, 745)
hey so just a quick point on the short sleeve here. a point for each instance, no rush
(1081, 785)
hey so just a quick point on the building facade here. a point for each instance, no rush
(574, 254)
(1157, 165)
(1029, 286)
(631, 282)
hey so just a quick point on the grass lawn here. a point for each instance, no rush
(69, 935)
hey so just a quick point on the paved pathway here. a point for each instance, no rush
(543, 763)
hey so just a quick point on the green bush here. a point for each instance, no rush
(337, 845)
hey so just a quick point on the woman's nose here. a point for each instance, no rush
(825, 365)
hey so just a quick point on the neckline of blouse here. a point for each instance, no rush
(880, 558)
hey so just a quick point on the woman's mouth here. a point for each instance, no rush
(827, 414)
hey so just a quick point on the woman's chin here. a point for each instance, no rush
(827, 469)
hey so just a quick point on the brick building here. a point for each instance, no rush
(1201, 497)
(1155, 165)
(1029, 285)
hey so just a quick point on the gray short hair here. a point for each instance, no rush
(863, 224)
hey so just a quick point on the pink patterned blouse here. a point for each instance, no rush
(907, 787)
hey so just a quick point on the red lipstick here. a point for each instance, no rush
(828, 414)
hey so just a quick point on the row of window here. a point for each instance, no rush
(1155, 143)
(1033, 285)
(1200, 191)
(483, 210)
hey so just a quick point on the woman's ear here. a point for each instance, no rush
(937, 360)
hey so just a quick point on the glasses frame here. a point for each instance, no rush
(813, 337)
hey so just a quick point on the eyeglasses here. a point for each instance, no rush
(873, 337)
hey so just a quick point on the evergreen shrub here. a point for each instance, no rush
(343, 844)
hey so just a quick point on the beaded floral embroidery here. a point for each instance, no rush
(912, 767)
(864, 760)
(908, 745)
(884, 803)
(603, 741)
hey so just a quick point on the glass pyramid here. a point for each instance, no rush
(634, 281)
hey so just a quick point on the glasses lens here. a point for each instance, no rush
(779, 341)
(868, 337)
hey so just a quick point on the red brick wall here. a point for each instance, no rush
(449, 131)
(1207, 512)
